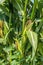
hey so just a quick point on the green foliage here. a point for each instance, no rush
(21, 33)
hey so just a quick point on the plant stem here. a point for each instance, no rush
(33, 61)
(10, 16)
(24, 16)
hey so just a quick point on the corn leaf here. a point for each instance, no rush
(32, 36)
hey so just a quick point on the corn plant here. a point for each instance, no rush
(21, 32)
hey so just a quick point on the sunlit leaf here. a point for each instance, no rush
(32, 36)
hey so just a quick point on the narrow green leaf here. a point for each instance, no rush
(34, 9)
(32, 36)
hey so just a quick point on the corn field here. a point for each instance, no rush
(21, 32)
